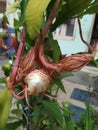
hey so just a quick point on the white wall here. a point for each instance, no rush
(76, 45)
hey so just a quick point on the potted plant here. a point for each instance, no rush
(38, 66)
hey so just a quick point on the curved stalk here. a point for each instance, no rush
(13, 40)
(81, 35)
(19, 52)
(51, 18)
(45, 62)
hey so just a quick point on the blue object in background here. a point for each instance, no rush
(11, 51)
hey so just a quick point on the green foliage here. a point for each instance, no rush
(72, 9)
(59, 84)
(94, 63)
(3, 34)
(2, 80)
(16, 125)
(34, 19)
(50, 7)
(69, 124)
(23, 5)
(6, 68)
(93, 8)
(66, 74)
(88, 118)
(17, 112)
(56, 50)
(5, 105)
(61, 114)
(5, 19)
(54, 111)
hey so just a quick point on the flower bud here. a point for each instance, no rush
(75, 62)
(37, 81)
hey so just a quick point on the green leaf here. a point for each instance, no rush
(23, 5)
(13, 126)
(92, 9)
(2, 80)
(56, 50)
(96, 63)
(54, 110)
(50, 6)
(67, 113)
(6, 68)
(3, 34)
(71, 9)
(88, 118)
(17, 112)
(5, 105)
(66, 110)
(16, 23)
(66, 74)
(34, 16)
(5, 19)
(69, 124)
(12, 118)
(59, 84)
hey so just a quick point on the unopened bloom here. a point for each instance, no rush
(37, 82)
(75, 62)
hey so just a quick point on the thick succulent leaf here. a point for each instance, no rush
(13, 7)
(34, 16)
(5, 105)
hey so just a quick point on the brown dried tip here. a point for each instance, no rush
(75, 62)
